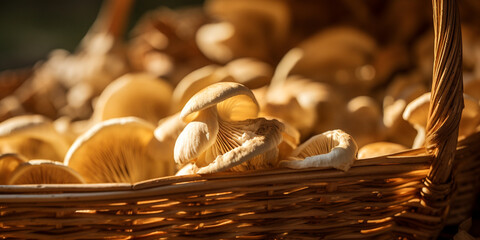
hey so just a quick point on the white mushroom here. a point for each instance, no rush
(335, 149)
(223, 132)
(196, 81)
(33, 136)
(416, 113)
(116, 150)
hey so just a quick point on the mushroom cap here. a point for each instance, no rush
(274, 14)
(309, 106)
(379, 149)
(33, 136)
(234, 102)
(365, 117)
(416, 111)
(139, 95)
(334, 148)
(8, 163)
(196, 81)
(341, 56)
(246, 29)
(44, 172)
(115, 150)
(250, 72)
(219, 41)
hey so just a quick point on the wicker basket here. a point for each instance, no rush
(411, 195)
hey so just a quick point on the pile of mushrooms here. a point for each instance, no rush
(243, 86)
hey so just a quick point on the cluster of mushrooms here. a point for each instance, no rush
(228, 86)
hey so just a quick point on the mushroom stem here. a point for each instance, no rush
(263, 141)
(197, 136)
(420, 138)
(284, 67)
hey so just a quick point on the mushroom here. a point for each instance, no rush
(44, 172)
(139, 95)
(116, 150)
(271, 15)
(163, 42)
(196, 81)
(334, 148)
(416, 113)
(379, 149)
(244, 29)
(290, 140)
(66, 83)
(33, 136)
(163, 144)
(364, 120)
(402, 90)
(247, 71)
(341, 56)
(311, 107)
(250, 72)
(8, 163)
(223, 132)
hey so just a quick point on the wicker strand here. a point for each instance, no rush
(447, 89)
(446, 104)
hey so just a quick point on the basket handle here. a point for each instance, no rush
(446, 101)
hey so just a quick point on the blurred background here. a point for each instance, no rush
(30, 29)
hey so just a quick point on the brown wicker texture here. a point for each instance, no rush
(405, 195)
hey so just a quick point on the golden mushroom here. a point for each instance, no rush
(379, 149)
(416, 113)
(341, 56)
(250, 72)
(364, 120)
(8, 163)
(44, 172)
(139, 95)
(403, 89)
(116, 150)
(311, 107)
(34, 137)
(334, 148)
(196, 81)
(223, 132)
(163, 144)
(255, 29)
